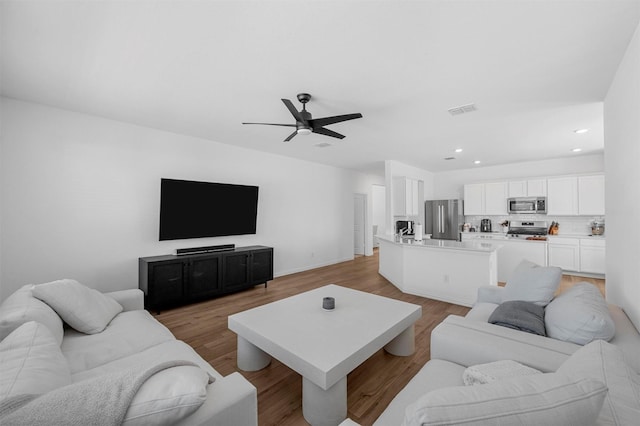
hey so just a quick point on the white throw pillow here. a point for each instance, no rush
(168, 396)
(21, 307)
(605, 362)
(31, 362)
(490, 372)
(579, 315)
(532, 283)
(85, 309)
(541, 399)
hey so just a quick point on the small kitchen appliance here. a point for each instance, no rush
(527, 229)
(527, 205)
(485, 225)
(597, 227)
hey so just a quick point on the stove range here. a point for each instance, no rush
(524, 229)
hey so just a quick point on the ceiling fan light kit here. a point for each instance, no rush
(305, 124)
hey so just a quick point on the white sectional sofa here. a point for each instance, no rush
(190, 394)
(438, 393)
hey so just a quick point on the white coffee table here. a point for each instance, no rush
(324, 346)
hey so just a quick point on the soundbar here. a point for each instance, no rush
(207, 249)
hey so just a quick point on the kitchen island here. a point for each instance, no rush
(450, 271)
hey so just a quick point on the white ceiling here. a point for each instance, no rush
(536, 70)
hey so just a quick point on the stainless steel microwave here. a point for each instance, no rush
(527, 205)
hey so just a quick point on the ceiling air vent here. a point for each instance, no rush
(462, 109)
(449, 158)
(323, 145)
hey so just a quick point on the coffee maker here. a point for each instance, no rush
(485, 225)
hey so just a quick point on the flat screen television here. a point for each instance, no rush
(190, 209)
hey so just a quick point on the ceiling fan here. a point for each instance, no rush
(305, 124)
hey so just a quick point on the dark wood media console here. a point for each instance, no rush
(172, 280)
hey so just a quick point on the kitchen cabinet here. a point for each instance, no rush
(173, 280)
(513, 252)
(591, 195)
(407, 196)
(565, 253)
(528, 188)
(485, 198)
(562, 196)
(592, 255)
(474, 199)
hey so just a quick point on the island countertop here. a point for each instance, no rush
(473, 245)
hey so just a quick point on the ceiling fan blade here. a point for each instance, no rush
(274, 124)
(292, 109)
(291, 136)
(319, 122)
(327, 132)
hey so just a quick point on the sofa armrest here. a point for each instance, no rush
(467, 342)
(131, 300)
(231, 400)
(490, 294)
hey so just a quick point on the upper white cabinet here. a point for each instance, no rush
(407, 196)
(562, 196)
(485, 198)
(591, 195)
(474, 199)
(528, 188)
(495, 198)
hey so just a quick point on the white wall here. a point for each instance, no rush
(622, 166)
(80, 198)
(449, 185)
(379, 202)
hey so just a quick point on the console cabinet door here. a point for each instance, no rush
(261, 266)
(236, 270)
(204, 276)
(166, 283)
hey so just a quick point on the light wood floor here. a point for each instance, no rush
(370, 387)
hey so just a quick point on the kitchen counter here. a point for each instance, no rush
(483, 246)
(450, 271)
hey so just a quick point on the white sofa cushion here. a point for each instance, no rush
(168, 396)
(529, 400)
(579, 315)
(604, 362)
(31, 362)
(532, 283)
(493, 371)
(129, 333)
(83, 308)
(21, 307)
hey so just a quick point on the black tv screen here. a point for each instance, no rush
(190, 209)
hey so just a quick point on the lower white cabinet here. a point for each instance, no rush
(565, 253)
(592, 256)
(513, 252)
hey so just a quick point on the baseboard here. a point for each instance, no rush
(310, 267)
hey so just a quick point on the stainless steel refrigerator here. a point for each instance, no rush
(443, 219)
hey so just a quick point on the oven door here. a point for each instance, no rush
(521, 205)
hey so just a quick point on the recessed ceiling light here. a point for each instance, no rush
(477, 162)
(576, 150)
(458, 149)
(580, 131)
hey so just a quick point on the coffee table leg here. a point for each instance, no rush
(324, 407)
(251, 357)
(404, 343)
